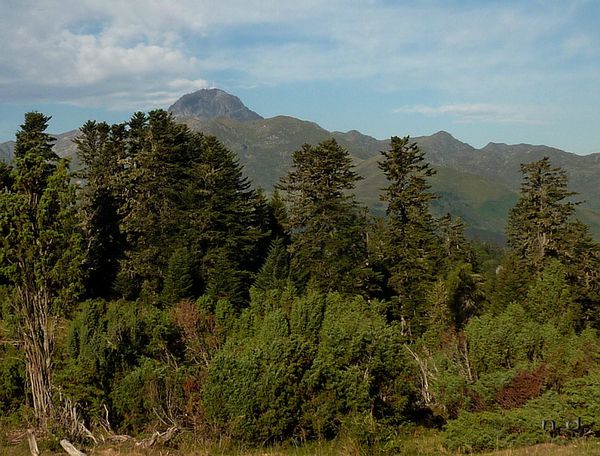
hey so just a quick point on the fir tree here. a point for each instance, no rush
(410, 247)
(274, 273)
(326, 224)
(101, 149)
(537, 225)
(540, 232)
(180, 190)
(455, 248)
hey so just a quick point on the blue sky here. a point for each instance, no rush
(500, 71)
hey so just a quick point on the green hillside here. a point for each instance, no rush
(482, 204)
(478, 185)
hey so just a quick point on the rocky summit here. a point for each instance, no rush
(207, 104)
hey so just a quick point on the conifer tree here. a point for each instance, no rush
(455, 248)
(410, 247)
(5, 176)
(183, 191)
(152, 178)
(537, 225)
(101, 149)
(326, 224)
(540, 232)
(581, 257)
(227, 222)
(274, 273)
(40, 252)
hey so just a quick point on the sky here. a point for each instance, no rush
(485, 71)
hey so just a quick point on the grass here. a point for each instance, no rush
(421, 442)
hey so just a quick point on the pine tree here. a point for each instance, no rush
(274, 273)
(580, 254)
(179, 277)
(183, 191)
(540, 232)
(455, 247)
(152, 181)
(326, 224)
(5, 176)
(410, 244)
(101, 149)
(537, 225)
(227, 222)
(40, 252)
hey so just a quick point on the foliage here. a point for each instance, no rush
(12, 381)
(326, 224)
(107, 343)
(537, 224)
(409, 250)
(306, 369)
(101, 149)
(165, 291)
(521, 426)
(474, 432)
(160, 198)
(40, 252)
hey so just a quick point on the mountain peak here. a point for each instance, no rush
(442, 134)
(206, 104)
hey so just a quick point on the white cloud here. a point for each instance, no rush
(481, 112)
(113, 53)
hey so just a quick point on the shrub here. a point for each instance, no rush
(308, 367)
(12, 381)
(499, 429)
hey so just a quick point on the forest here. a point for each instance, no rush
(154, 288)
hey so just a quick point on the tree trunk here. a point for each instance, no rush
(37, 335)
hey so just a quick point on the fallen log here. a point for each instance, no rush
(70, 449)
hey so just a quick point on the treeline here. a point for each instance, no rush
(156, 287)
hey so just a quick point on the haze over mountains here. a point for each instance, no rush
(479, 185)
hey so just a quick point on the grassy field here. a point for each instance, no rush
(421, 443)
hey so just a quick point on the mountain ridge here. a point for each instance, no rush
(480, 185)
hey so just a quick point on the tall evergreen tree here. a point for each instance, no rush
(274, 273)
(541, 231)
(182, 191)
(326, 224)
(411, 247)
(5, 176)
(455, 248)
(40, 252)
(152, 179)
(537, 226)
(227, 222)
(101, 149)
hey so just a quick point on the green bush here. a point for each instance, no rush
(105, 347)
(302, 367)
(473, 432)
(500, 429)
(12, 381)
(252, 391)
(153, 390)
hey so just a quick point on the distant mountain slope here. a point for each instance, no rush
(479, 185)
(501, 162)
(265, 146)
(63, 146)
(7, 150)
